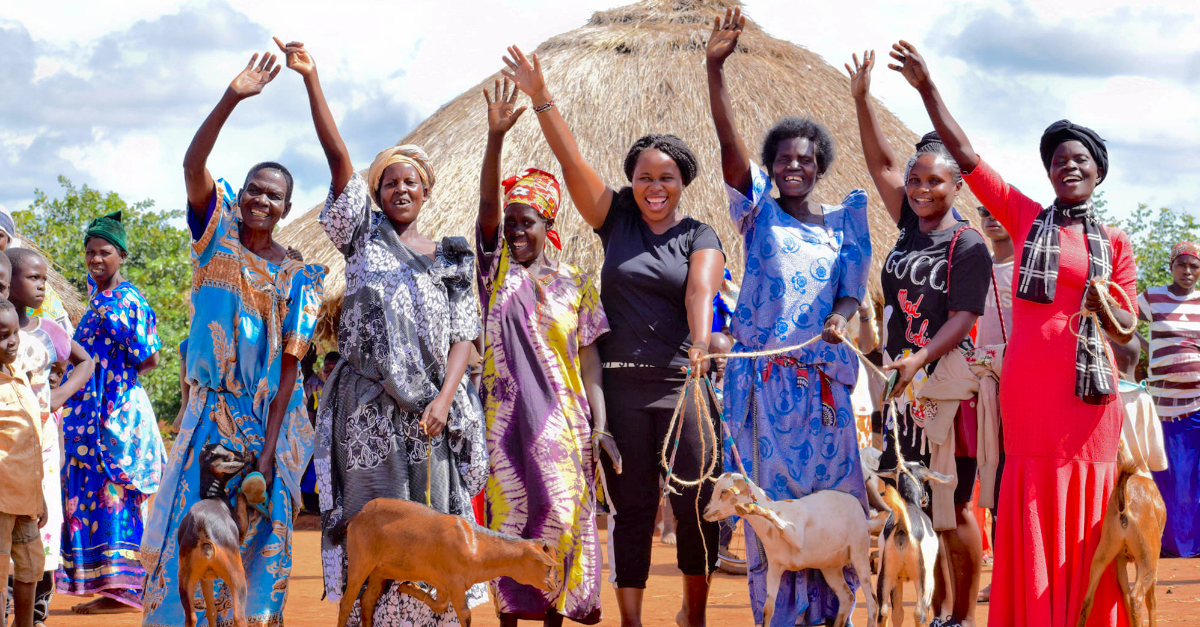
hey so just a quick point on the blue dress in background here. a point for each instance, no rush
(114, 451)
(790, 416)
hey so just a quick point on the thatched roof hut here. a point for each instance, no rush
(630, 71)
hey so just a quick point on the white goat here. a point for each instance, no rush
(825, 530)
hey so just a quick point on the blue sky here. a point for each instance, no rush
(110, 96)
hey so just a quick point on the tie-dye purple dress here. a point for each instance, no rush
(542, 480)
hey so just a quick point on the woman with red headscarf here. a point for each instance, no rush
(542, 396)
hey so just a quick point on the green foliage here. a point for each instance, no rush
(1153, 233)
(159, 265)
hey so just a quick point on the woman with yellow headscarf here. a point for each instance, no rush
(398, 396)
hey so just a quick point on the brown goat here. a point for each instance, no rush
(403, 541)
(1131, 530)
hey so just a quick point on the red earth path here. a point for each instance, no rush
(1178, 595)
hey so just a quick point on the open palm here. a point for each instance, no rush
(860, 74)
(912, 65)
(501, 113)
(526, 72)
(256, 76)
(723, 40)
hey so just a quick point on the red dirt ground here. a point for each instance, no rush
(1178, 595)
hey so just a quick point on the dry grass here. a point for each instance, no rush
(627, 72)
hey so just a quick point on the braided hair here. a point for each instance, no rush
(793, 127)
(931, 144)
(669, 144)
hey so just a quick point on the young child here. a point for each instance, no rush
(43, 345)
(1140, 429)
(22, 508)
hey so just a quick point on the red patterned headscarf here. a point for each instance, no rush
(1185, 248)
(539, 190)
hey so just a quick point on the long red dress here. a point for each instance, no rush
(1061, 452)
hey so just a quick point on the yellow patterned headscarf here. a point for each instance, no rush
(408, 153)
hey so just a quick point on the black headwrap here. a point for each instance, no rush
(1065, 131)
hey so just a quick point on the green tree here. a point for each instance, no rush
(159, 265)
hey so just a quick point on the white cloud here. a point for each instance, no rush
(111, 95)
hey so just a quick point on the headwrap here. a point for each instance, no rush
(8, 226)
(109, 228)
(539, 190)
(1094, 379)
(407, 153)
(1064, 131)
(1184, 248)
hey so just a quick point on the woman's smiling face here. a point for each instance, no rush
(931, 187)
(263, 201)
(524, 232)
(1073, 172)
(795, 167)
(657, 185)
(401, 192)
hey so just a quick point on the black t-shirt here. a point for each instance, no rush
(915, 297)
(643, 284)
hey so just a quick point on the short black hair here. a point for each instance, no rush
(331, 357)
(17, 257)
(5, 264)
(6, 305)
(808, 128)
(272, 165)
(674, 147)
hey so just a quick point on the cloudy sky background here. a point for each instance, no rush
(111, 96)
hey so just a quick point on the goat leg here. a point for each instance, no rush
(1106, 552)
(861, 560)
(458, 596)
(356, 576)
(774, 576)
(370, 597)
(836, 580)
(187, 587)
(210, 605)
(1152, 605)
(1126, 589)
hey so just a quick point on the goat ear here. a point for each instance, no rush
(887, 474)
(734, 490)
(743, 509)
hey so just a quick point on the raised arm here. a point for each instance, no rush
(735, 157)
(886, 172)
(250, 82)
(501, 117)
(340, 168)
(590, 194)
(916, 72)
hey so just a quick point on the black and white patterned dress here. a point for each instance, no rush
(401, 313)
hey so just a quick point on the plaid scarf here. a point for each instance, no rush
(1094, 378)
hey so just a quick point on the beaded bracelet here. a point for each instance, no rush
(544, 108)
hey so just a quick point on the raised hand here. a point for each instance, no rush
(501, 115)
(297, 57)
(526, 72)
(912, 65)
(860, 75)
(723, 40)
(252, 79)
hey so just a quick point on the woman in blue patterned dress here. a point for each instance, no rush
(806, 270)
(114, 452)
(254, 310)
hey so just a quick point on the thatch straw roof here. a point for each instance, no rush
(630, 71)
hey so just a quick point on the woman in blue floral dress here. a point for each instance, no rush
(254, 310)
(806, 271)
(114, 452)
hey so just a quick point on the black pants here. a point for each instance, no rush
(639, 404)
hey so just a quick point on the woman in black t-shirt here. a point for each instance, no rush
(935, 283)
(661, 271)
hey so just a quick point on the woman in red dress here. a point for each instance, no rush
(1056, 396)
